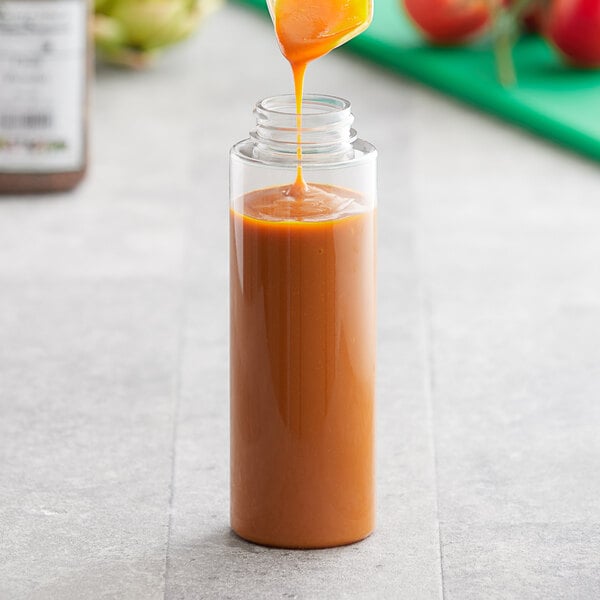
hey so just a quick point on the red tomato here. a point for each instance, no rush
(573, 26)
(448, 21)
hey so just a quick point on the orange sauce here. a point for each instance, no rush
(309, 29)
(302, 367)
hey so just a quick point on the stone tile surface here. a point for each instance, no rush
(515, 286)
(87, 384)
(527, 560)
(512, 287)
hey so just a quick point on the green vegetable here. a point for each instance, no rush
(133, 32)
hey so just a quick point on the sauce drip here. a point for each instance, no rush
(309, 29)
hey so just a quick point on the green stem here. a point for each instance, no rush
(505, 30)
(503, 45)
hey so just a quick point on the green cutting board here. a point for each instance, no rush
(560, 103)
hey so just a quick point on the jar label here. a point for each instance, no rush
(43, 58)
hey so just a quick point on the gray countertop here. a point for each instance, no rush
(113, 350)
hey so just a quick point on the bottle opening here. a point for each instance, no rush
(325, 108)
(326, 133)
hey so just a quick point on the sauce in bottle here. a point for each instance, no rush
(44, 48)
(303, 361)
(302, 304)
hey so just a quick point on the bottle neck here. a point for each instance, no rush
(326, 135)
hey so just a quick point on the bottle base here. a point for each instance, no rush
(39, 183)
(306, 544)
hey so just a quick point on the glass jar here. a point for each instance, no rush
(303, 331)
(44, 69)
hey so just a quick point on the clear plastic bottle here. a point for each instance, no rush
(44, 69)
(303, 331)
